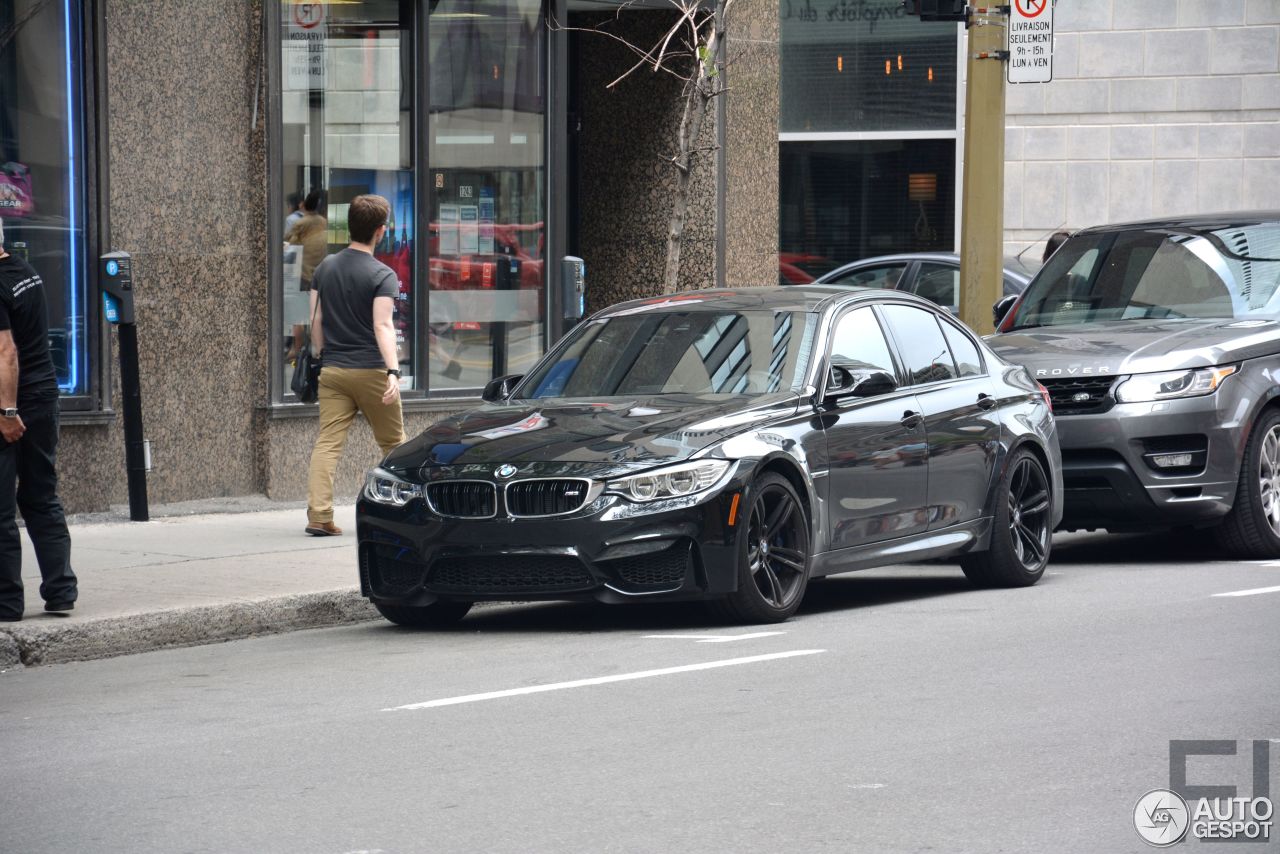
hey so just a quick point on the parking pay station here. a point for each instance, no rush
(115, 272)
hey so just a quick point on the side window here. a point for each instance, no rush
(921, 344)
(939, 283)
(965, 352)
(859, 343)
(873, 277)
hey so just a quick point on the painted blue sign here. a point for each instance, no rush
(113, 267)
(111, 305)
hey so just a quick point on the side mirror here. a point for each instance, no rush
(1001, 308)
(843, 382)
(500, 388)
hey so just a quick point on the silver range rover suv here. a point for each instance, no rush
(1159, 343)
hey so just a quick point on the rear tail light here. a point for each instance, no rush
(1044, 392)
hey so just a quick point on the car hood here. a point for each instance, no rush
(615, 432)
(1136, 346)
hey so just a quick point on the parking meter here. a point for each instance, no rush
(115, 273)
(573, 285)
(117, 287)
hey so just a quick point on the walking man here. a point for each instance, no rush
(29, 429)
(353, 297)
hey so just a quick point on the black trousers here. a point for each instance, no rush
(29, 483)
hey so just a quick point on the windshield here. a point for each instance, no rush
(1159, 273)
(679, 352)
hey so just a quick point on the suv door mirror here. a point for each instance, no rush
(500, 388)
(843, 382)
(1001, 308)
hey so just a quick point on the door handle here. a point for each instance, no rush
(911, 419)
(986, 401)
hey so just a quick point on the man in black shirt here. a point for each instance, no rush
(29, 433)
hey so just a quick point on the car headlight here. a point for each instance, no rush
(1168, 385)
(671, 482)
(384, 487)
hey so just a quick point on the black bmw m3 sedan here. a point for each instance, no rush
(722, 445)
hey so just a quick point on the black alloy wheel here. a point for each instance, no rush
(438, 614)
(1021, 535)
(774, 566)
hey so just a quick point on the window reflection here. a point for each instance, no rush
(488, 181)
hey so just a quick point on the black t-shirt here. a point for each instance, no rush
(347, 283)
(23, 310)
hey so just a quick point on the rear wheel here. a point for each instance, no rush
(439, 613)
(1252, 528)
(1020, 536)
(773, 565)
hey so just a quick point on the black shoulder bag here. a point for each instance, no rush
(306, 370)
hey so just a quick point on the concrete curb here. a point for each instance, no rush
(74, 640)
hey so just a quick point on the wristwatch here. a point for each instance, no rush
(391, 372)
(9, 412)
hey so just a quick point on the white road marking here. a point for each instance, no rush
(1254, 592)
(717, 638)
(603, 680)
(865, 785)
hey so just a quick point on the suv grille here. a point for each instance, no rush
(1063, 391)
(546, 497)
(391, 571)
(473, 499)
(666, 568)
(509, 574)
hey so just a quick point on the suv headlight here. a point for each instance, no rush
(1169, 385)
(384, 487)
(671, 482)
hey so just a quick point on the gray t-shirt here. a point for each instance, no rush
(348, 282)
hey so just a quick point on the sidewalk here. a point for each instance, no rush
(183, 580)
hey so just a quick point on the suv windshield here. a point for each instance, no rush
(1233, 271)
(679, 352)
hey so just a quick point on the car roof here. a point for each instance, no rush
(805, 298)
(1014, 267)
(1194, 222)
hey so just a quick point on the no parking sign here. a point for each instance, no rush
(1031, 41)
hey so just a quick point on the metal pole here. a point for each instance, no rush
(982, 214)
(135, 457)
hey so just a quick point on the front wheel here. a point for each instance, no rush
(1252, 529)
(438, 614)
(773, 563)
(1021, 533)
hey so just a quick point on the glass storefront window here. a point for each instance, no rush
(42, 167)
(347, 76)
(864, 66)
(488, 178)
(851, 199)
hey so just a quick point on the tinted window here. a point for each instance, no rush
(679, 352)
(965, 352)
(872, 277)
(920, 344)
(859, 344)
(939, 283)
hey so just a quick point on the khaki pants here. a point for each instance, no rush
(343, 392)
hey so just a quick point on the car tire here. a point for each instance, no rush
(1021, 534)
(443, 612)
(1249, 530)
(774, 559)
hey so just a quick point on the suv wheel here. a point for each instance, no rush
(1252, 529)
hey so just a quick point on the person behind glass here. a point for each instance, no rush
(1051, 245)
(294, 203)
(353, 301)
(311, 232)
(29, 427)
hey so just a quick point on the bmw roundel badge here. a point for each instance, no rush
(504, 471)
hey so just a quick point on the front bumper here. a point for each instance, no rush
(409, 556)
(1110, 476)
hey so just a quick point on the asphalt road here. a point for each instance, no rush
(900, 711)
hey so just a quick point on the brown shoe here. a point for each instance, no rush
(323, 529)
